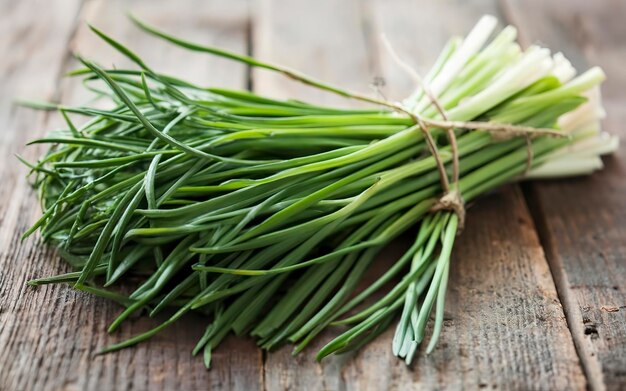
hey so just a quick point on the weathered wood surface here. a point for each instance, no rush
(49, 336)
(505, 327)
(582, 222)
(510, 335)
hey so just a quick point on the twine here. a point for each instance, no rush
(452, 199)
(529, 155)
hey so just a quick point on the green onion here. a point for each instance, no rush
(264, 215)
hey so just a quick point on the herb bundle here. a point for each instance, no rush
(265, 214)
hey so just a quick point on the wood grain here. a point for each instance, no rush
(50, 335)
(505, 327)
(28, 68)
(33, 49)
(583, 221)
(487, 339)
(511, 336)
(324, 39)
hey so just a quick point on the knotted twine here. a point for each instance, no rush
(451, 199)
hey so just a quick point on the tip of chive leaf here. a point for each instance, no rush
(81, 59)
(130, 15)
(138, 22)
(207, 358)
(322, 353)
(74, 72)
(35, 104)
(22, 159)
(105, 350)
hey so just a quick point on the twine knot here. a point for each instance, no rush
(452, 201)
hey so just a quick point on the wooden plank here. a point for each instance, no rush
(417, 31)
(502, 306)
(50, 335)
(505, 327)
(30, 67)
(314, 37)
(583, 221)
(216, 22)
(489, 357)
(324, 39)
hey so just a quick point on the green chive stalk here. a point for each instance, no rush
(264, 215)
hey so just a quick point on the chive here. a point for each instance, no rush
(264, 215)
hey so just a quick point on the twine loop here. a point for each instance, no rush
(452, 199)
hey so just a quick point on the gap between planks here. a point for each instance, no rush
(424, 371)
(72, 364)
(581, 288)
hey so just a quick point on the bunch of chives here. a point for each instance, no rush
(265, 215)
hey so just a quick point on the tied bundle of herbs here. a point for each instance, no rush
(264, 215)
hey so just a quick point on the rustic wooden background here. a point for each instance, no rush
(538, 290)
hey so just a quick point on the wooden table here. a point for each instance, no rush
(538, 283)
